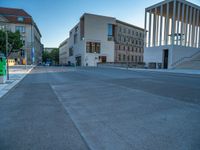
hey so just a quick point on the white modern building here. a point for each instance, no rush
(172, 33)
(13, 19)
(104, 39)
(64, 53)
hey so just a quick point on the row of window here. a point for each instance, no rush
(131, 32)
(126, 39)
(129, 48)
(93, 47)
(132, 58)
(21, 29)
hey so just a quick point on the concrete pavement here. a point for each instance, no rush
(16, 74)
(101, 109)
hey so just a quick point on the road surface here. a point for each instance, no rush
(57, 108)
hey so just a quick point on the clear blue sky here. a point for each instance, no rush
(56, 17)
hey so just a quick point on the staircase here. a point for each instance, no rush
(192, 62)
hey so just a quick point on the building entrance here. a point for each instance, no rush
(165, 58)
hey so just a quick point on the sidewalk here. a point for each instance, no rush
(179, 71)
(16, 74)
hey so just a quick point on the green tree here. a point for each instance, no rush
(54, 56)
(45, 56)
(14, 41)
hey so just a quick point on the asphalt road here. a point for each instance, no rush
(56, 108)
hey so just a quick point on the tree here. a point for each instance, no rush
(45, 56)
(54, 55)
(14, 41)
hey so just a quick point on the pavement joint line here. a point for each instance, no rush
(73, 121)
(13, 83)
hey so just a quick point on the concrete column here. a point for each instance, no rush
(196, 31)
(182, 23)
(149, 39)
(190, 25)
(161, 24)
(193, 27)
(157, 29)
(186, 24)
(173, 22)
(145, 29)
(178, 22)
(154, 27)
(167, 25)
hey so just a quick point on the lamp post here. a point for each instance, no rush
(95, 59)
(6, 32)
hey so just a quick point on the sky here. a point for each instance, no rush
(55, 18)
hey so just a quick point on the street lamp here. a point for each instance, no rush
(95, 59)
(7, 51)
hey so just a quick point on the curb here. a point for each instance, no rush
(7, 88)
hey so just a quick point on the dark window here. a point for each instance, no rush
(75, 38)
(110, 32)
(71, 51)
(20, 29)
(20, 19)
(124, 57)
(119, 57)
(93, 47)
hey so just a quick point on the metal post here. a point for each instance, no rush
(7, 54)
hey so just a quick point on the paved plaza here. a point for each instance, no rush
(101, 109)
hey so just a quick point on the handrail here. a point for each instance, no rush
(183, 58)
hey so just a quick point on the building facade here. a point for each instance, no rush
(64, 53)
(13, 20)
(173, 32)
(104, 39)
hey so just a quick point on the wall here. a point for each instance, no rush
(96, 30)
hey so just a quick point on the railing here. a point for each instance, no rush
(123, 64)
(184, 58)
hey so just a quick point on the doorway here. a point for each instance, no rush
(78, 61)
(165, 58)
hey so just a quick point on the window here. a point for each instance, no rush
(120, 29)
(93, 47)
(127, 58)
(20, 29)
(132, 32)
(75, 38)
(110, 32)
(132, 58)
(129, 31)
(119, 57)
(71, 51)
(124, 30)
(76, 28)
(136, 33)
(20, 19)
(124, 57)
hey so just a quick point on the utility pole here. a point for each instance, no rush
(7, 53)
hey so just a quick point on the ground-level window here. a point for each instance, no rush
(119, 57)
(93, 47)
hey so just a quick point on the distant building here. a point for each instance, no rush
(49, 49)
(173, 34)
(13, 19)
(104, 39)
(64, 53)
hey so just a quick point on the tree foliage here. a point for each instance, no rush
(53, 56)
(14, 41)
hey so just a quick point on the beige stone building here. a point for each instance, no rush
(13, 19)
